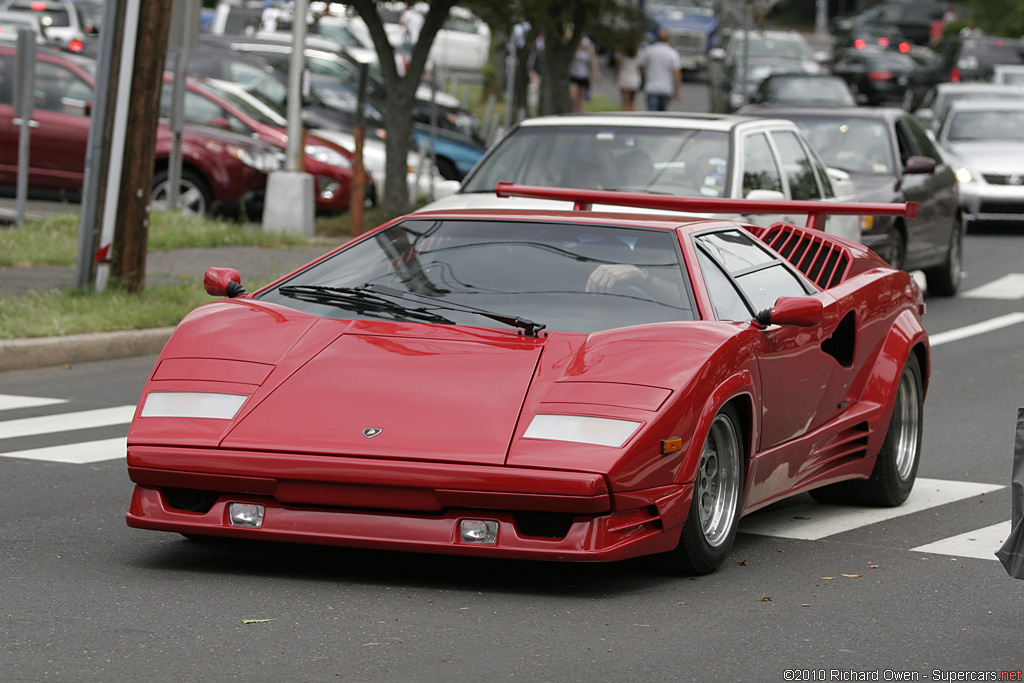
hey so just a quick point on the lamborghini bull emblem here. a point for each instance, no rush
(371, 432)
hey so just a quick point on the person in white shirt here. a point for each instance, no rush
(663, 78)
(412, 21)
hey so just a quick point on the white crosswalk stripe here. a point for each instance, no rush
(809, 521)
(1009, 287)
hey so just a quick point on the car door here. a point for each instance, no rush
(8, 131)
(762, 177)
(929, 234)
(59, 142)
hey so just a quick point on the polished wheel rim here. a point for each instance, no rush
(190, 198)
(718, 481)
(907, 431)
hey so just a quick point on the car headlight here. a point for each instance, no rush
(265, 161)
(963, 175)
(192, 404)
(326, 155)
(599, 431)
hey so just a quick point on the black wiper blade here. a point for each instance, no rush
(360, 300)
(530, 328)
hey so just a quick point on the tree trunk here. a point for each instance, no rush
(554, 83)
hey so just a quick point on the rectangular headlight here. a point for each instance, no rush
(600, 431)
(192, 404)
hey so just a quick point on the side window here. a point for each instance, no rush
(240, 72)
(924, 144)
(759, 169)
(761, 276)
(798, 167)
(726, 301)
(6, 80)
(58, 89)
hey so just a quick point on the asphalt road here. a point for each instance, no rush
(807, 588)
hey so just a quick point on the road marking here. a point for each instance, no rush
(814, 521)
(980, 544)
(66, 422)
(976, 329)
(10, 402)
(76, 453)
(1008, 287)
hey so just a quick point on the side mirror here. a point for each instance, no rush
(223, 282)
(766, 196)
(919, 165)
(792, 311)
(716, 53)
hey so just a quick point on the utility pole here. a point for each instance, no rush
(130, 235)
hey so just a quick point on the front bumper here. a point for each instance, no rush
(544, 515)
(984, 202)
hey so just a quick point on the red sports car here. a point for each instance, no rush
(561, 385)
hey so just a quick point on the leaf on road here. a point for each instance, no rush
(853, 576)
(764, 597)
(256, 621)
(829, 578)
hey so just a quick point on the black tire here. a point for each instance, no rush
(710, 528)
(944, 280)
(194, 194)
(897, 247)
(895, 469)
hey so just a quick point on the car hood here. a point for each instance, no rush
(990, 157)
(411, 391)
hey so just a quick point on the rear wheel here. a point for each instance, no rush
(710, 528)
(896, 466)
(194, 195)
(944, 280)
(897, 247)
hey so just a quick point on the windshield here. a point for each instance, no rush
(850, 144)
(679, 6)
(781, 47)
(658, 160)
(799, 89)
(536, 270)
(986, 125)
(260, 110)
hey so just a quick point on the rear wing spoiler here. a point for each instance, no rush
(583, 200)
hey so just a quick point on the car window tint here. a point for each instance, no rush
(58, 89)
(240, 72)
(6, 80)
(760, 171)
(760, 274)
(797, 163)
(659, 160)
(922, 142)
(536, 270)
(725, 299)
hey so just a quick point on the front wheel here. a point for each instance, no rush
(194, 195)
(944, 280)
(896, 466)
(710, 528)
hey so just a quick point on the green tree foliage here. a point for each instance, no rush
(997, 17)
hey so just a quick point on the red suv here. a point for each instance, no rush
(221, 169)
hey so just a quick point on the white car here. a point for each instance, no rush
(719, 156)
(1008, 74)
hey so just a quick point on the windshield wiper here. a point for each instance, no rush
(530, 328)
(360, 300)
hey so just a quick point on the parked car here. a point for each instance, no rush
(691, 24)
(718, 156)
(221, 104)
(222, 170)
(973, 57)
(891, 158)
(733, 78)
(13, 22)
(812, 90)
(915, 19)
(986, 139)
(938, 100)
(548, 385)
(861, 36)
(876, 76)
(60, 18)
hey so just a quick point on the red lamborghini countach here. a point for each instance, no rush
(559, 385)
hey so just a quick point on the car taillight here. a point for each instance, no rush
(75, 46)
(883, 41)
(40, 6)
(879, 76)
(905, 47)
(954, 75)
(860, 43)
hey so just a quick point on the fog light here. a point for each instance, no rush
(478, 531)
(244, 514)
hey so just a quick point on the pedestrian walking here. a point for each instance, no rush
(661, 67)
(627, 76)
(582, 71)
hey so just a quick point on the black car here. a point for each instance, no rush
(872, 35)
(913, 18)
(876, 76)
(891, 158)
(972, 57)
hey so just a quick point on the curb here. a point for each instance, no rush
(38, 352)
